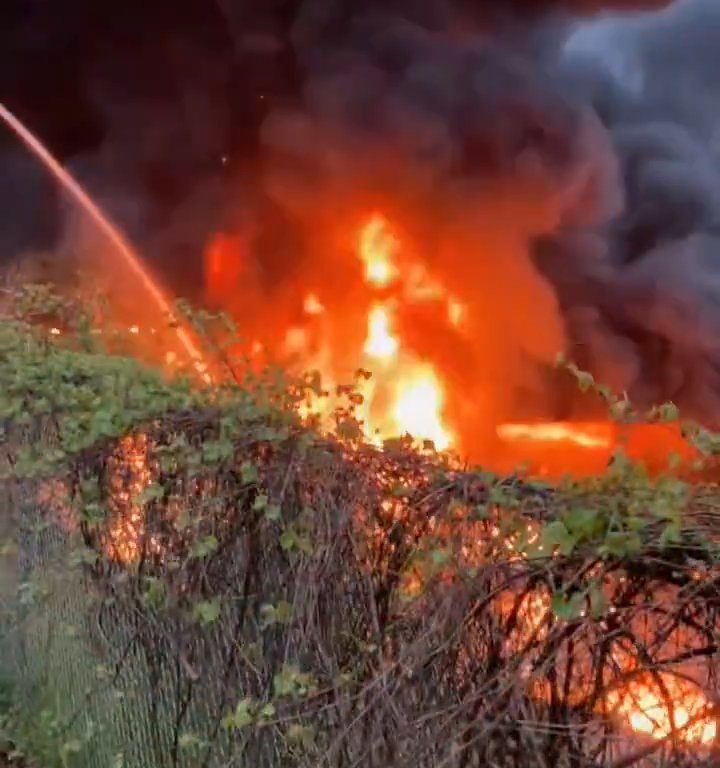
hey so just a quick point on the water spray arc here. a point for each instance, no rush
(128, 253)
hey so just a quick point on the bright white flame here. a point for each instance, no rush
(377, 248)
(418, 407)
(553, 432)
(380, 343)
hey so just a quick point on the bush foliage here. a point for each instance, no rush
(197, 578)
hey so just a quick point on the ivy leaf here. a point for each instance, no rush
(621, 544)
(267, 712)
(301, 735)
(566, 608)
(668, 412)
(272, 512)
(241, 716)
(152, 492)
(671, 534)
(583, 522)
(288, 540)
(283, 612)
(439, 556)
(248, 473)
(556, 535)
(189, 741)
(204, 547)
(207, 611)
(154, 591)
(291, 540)
(598, 603)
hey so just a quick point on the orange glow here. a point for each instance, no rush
(225, 261)
(456, 312)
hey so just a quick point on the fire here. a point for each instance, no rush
(387, 311)
(312, 305)
(655, 712)
(130, 476)
(380, 343)
(597, 435)
(586, 448)
(377, 247)
(418, 407)
(409, 389)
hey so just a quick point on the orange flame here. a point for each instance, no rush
(377, 247)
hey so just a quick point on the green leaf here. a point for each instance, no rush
(154, 591)
(283, 612)
(565, 608)
(598, 603)
(267, 712)
(556, 535)
(241, 716)
(668, 412)
(207, 611)
(671, 534)
(301, 735)
(204, 547)
(288, 540)
(621, 544)
(248, 473)
(261, 502)
(272, 512)
(152, 492)
(583, 522)
(189, 741)
(439, 556)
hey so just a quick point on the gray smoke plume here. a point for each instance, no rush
(650, 325)
(560, 171)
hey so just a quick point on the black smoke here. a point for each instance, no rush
(649, 322)
(596, 146)
(156, 107)
(575, 158)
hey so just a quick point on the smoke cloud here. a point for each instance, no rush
(563, 177)
(555, 163)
